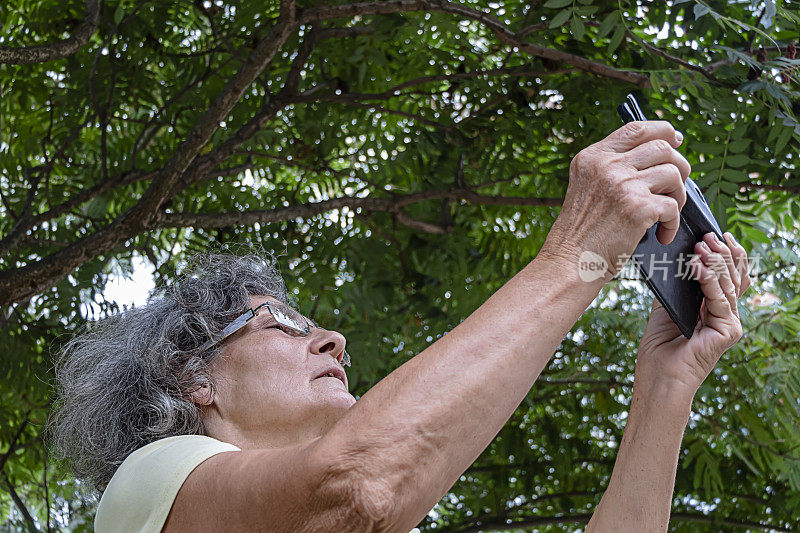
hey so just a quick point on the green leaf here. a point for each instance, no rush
(654, 82)
(97, 207)
(740, 454)
(607, 24)
(556, 4)
(734, 54)
(786, 254)
(577, 28)
(728, 188)
(699, 467)
(783, 139)
(362, 72)
(700, 10)
(752, 86)
(586, 11)
(735, 176)
(737, 160)
(777, 93)
(754, 234)
(776, 331)
(119, 13)
(739, 146)
(560, 18)
(708, 148)
(616, 39)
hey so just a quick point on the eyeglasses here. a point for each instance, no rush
(283, 315)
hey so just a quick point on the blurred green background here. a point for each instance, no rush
(402, 160)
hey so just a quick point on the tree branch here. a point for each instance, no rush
(527, 466)
(27, 55)
(184, 167)
(202, 168)
(269, 109)
(724, 521)
(14, 496)
(611, 382)
(20, 505)
(48, 271)
(391, 205)
(707, 71)
(500, 30)
(785, 188)
(209, 123)
(394, 91)
(413, 223)
(152, 126)
(346, 172)
(503, 523)
(28, 221)
(13, 444)
(124, 179)
(346, 99)
(46, 493)
(579, 62)
(669, 57)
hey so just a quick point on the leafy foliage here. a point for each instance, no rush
(404, 162)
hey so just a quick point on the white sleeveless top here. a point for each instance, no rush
(141, 492)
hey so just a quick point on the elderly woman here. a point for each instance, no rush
(218, 407)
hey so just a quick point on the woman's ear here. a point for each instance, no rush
(204, 395)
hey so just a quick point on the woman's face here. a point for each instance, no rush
(272, 388)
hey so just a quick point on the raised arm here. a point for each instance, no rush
(669, 370)
(397, 451)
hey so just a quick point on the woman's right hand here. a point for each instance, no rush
(618, 188)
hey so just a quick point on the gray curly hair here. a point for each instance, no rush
(125, 381)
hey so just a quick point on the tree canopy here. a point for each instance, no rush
(402, 158)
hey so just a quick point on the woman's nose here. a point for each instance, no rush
(326, 342)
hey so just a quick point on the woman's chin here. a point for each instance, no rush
(333, 390)
(343, 400)
(334, 397)
(329, 410)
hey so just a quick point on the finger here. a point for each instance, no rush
(717, 305)
(635, 133)
(721, 248)
(669, 217)
(665, 179)
(740, 260)
(656, 304)
(716, 263)
(657, 152)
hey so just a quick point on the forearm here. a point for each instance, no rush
(639, 495)
(418, 429)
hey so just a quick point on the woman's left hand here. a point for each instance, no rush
(665, 355)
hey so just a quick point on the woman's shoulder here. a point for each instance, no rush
(171, 448)
(142, 490)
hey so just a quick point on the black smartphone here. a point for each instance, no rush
(665, 268)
